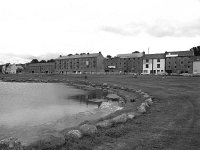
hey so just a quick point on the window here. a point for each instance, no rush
(147, 60)
(181, 62)
(145, 71)
(158, 60)
(188, 66)
(147, 65)
(158, 65)
(174, 66)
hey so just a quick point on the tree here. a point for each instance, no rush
(34, 61)
(69, 55)
(43, 61)
(51, 60)
(109, 56)
(136, 52)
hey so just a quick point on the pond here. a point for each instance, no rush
(27, 109)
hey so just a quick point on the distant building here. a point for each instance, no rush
(154, 63)
(11, 68)
(196, 65)
(83, 63)
(124, 63)
(47, 68)
(116, 64)
(179, 62)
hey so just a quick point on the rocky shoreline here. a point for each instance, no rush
(133, 103)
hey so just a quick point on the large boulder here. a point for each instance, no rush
(113, 97)
(104, 124)
(149, 101)
(88, 129)
(120, 119)
(75, 134)
(142, 107)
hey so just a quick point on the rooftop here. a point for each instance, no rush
(80, 56)
(181, 53)
(130, 55)
(154, 56)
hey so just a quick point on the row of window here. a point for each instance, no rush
(147, 65)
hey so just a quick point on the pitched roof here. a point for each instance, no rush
(80, 56)
(130, 55)
(181, 53)
(154, 56)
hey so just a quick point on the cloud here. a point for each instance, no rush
(158, 28)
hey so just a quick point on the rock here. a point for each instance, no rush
(120, 119)
(75, 134)
(132, 115)
(104, 124)
(138, 91)
(105, 84)
(146, 95)
(115, 86)
(87, 129)
(142, 107)
(93, 85)
(97, 100)
(149, 101)
(10, 143)
(113, 97)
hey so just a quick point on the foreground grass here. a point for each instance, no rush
(173, 121)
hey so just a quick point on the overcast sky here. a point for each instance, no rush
(52, 27)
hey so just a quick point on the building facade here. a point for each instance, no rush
(196, 65)
(153, 63)
(47, 68)
(83, 63)
(179, 62)
(124, 63)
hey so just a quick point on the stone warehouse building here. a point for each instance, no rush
(47, 68)
(124, 63)
(83, 63)
(154, 63)
(179, 62)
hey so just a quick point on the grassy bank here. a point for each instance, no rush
(173, 121)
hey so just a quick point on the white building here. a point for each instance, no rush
(196, 65)
(153, 63)
(11, 68)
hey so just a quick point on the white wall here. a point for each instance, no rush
(155, 67)
(196, 67)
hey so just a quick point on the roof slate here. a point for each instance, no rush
(182, 53)
(131, 55)
(79, 56)
(154, 56)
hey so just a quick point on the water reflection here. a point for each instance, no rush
(86, 98)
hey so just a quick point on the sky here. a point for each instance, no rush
(45, 29)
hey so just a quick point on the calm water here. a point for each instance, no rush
(29, 106)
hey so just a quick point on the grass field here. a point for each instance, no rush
(173, 121)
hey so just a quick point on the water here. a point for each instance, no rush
(29, 108)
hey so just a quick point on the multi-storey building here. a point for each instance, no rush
(196, 65)
(115, 64)
(179, 62)
(154, 63)
(83, 63)
(47, 68)
(124, 63)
